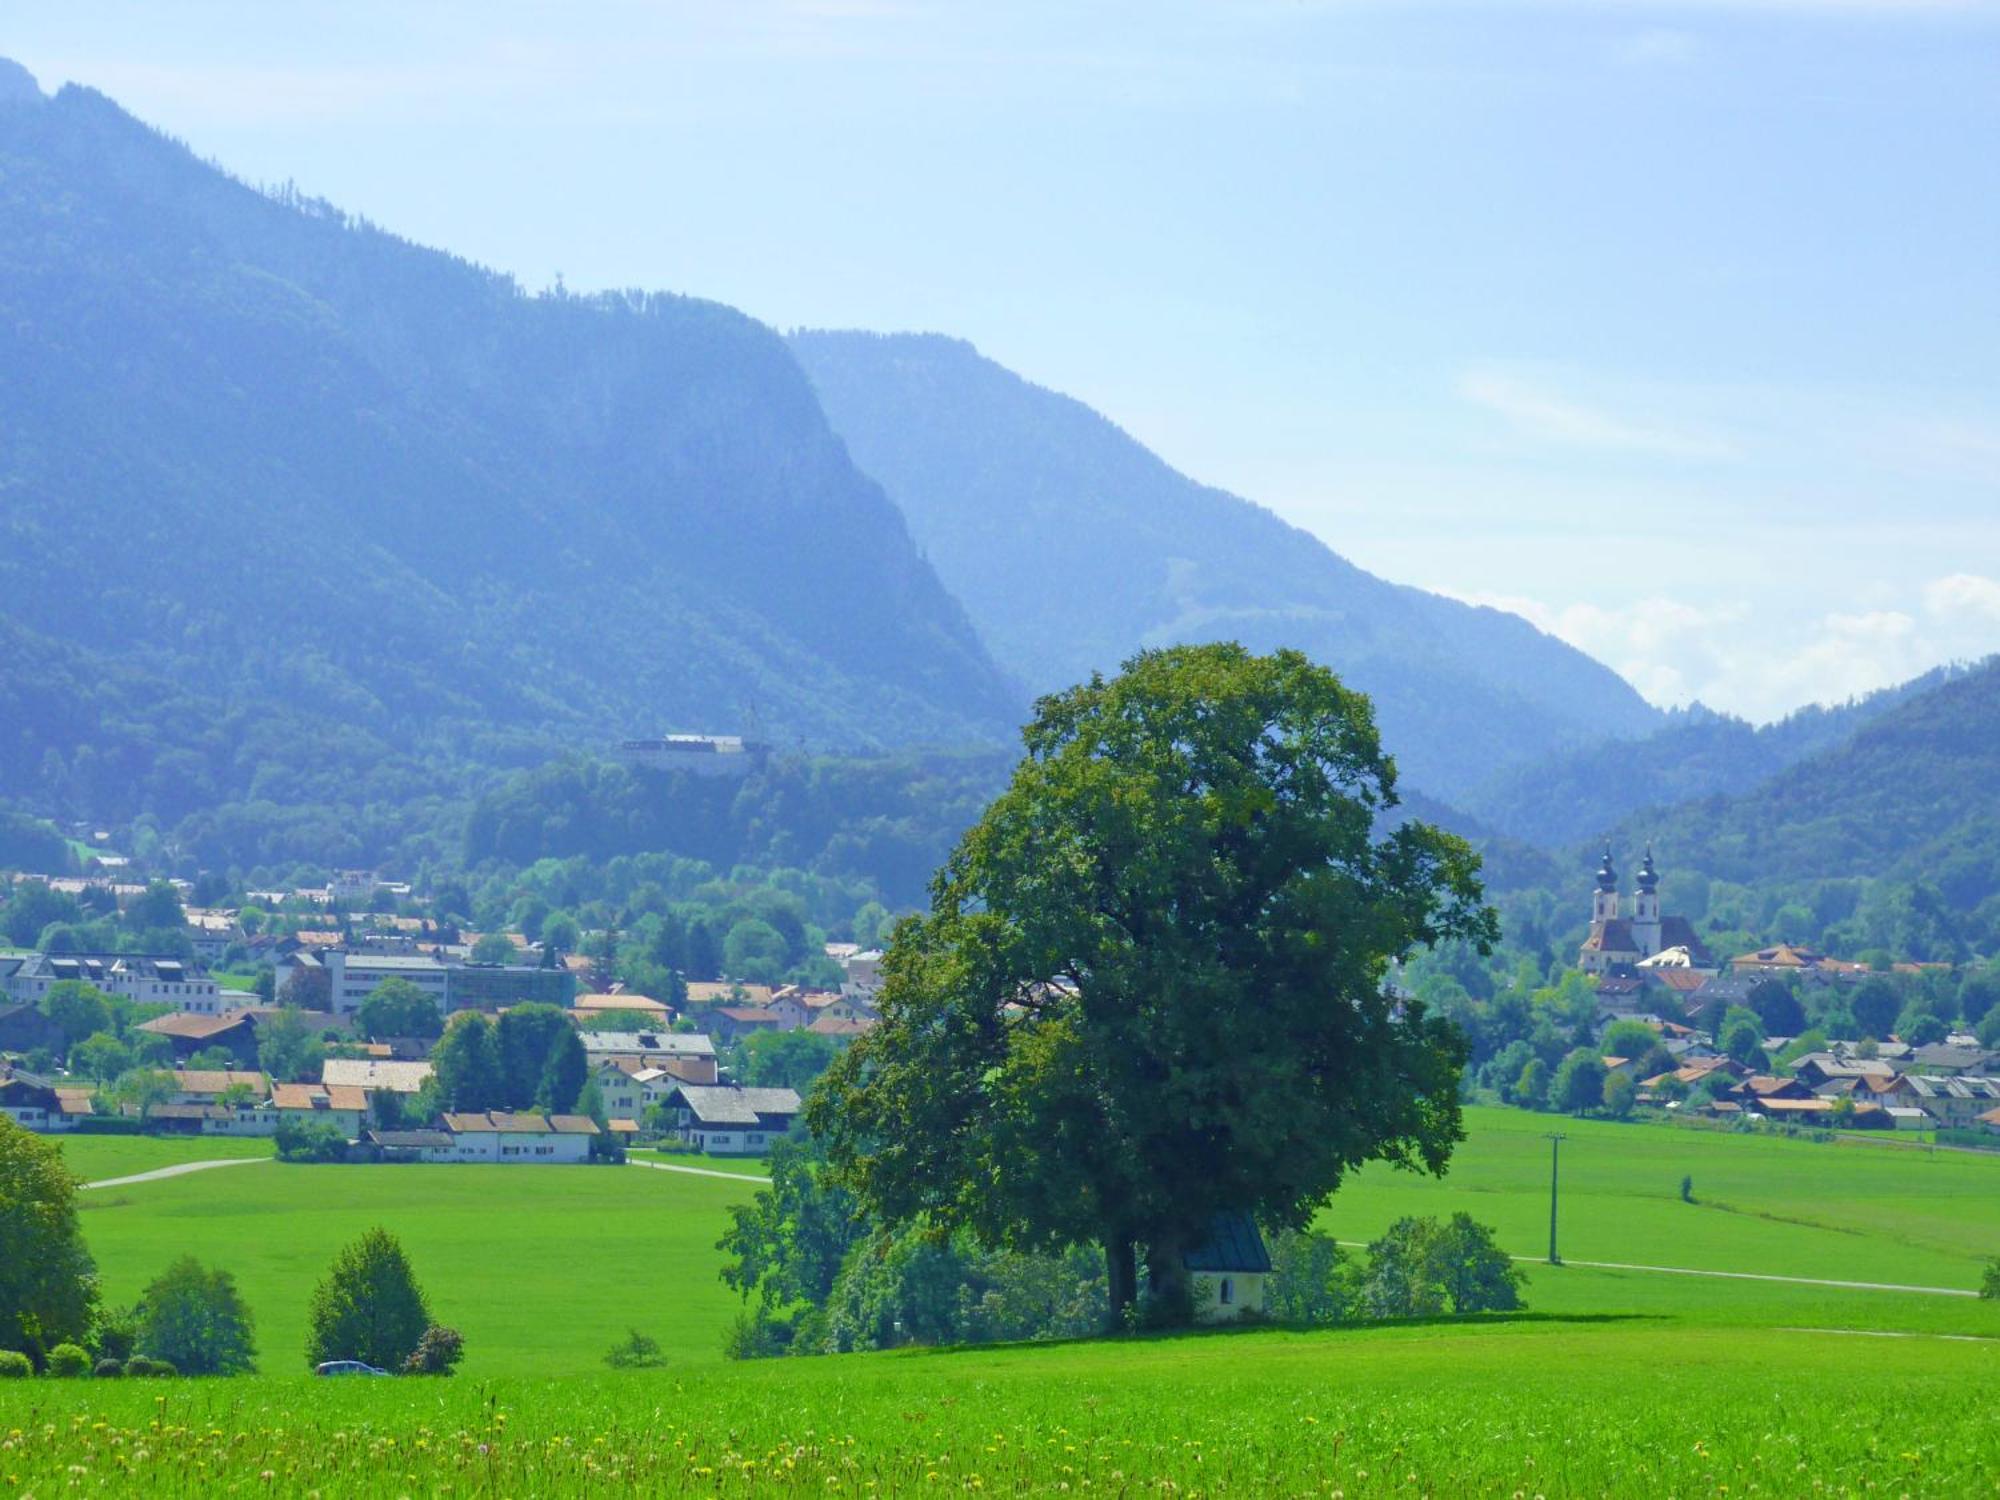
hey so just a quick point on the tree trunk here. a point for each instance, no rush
(1171, 1286)
(1121, 1271)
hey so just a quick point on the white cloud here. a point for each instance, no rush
(1963, 594)
(1550, 416)
(1734, 657)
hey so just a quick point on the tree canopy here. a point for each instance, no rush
(48, 1283)
(1152, 984)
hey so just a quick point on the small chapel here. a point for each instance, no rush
(1620, 944)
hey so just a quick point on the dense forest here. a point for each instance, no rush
(307, 529)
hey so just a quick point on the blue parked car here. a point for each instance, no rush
(346, 1367)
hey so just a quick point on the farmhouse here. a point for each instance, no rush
(498, 1136)
(686, 1055)
(30, 1101)
(24, 1029)
(731, 1121)
(342, 1105)
(140, 978)
(375, 1075)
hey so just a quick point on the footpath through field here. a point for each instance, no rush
(1617, 1265)
(180, 1169)
(663, 1166)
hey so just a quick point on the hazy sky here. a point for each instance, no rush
(1674, 326)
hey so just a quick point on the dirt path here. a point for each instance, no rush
(180, 1170)
(662, 1166)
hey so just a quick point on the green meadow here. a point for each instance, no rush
(1615, 1381)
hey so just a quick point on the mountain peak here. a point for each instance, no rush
(17, 84)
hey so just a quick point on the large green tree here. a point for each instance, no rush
(48, 1283)
(466, 1065)
(396, 1007)
(369, 1307)
(1152, 986)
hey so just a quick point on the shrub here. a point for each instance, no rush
(1311, 1281)
(140, 1365)
(193, 1318)
(437, 1351)
(1989, 1287)
(118, 1334)
(310, 1141)
(14, 1365)
(1421, 1268)
(109, 1369)
(369, 1307)
(68, 1361)
(636, 1351)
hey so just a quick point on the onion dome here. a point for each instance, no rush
(1607, 877)
(1649, 878)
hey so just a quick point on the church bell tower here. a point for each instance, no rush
(1646, 908)
(1604, 900)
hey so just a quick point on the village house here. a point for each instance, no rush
(689, 1056)
(621, 1002)
(30, 1101)
(732, 1121)
(628, 1090)
(524, 1138)
(1955, 1103)
(343, 1106)
(140, 978)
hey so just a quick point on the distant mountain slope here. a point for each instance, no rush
(1914, 794)
(265, 466)
(1580, 794)
(1071, 546)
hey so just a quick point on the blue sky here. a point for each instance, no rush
(1674, 326)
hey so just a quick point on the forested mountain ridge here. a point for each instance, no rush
(293, 511)
(1071, 545)
(1581, 794)
(1913, 796)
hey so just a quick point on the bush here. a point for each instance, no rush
(109, 1369)
(1989, 1287)
(68, 1361)
(436, 1353)
(310, 1141)
(1311, 1281)
(14, 1365)
(140, 1365)
(194, 1319)
(118, 1334)
(636, 1351)
(1421, 1268)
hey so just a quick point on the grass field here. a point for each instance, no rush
(95, 1158)
(1529, 1408)
(1616, 1381)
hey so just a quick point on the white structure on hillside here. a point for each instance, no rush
(697, 754)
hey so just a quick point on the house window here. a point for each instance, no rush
(1226, 1293)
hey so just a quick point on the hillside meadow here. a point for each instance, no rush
(1616, 1381)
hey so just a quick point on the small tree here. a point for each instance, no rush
(1620, 1094)
(467, 1065)
(368, 1307)
(1532, 1087)
(79, 1009)
(495, 948)
(1989, 1286)
(396, 1007)
(1311, 1280)
(1578, 1087)
(636, 1351)
(194, 1319)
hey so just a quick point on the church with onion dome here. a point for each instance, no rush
(1620, 944)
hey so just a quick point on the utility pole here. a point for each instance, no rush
(1556, 1138)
